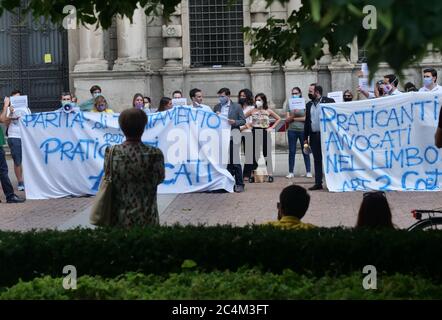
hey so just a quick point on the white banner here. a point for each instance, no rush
(382, 144)
(63, 153)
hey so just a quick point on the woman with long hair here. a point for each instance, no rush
(261, 131)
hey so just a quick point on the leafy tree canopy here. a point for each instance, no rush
(399, 31)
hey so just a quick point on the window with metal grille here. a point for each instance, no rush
(215, 33)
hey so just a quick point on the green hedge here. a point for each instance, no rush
(244, 284)
(162, 250)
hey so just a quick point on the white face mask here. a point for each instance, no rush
(259, 103)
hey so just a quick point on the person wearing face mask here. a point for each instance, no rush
(261, 130)
(430, 81)
(312, 134)
(295, 120)
(245, 99)
(235, 115)
(138, 102)
(89, 104)
(390, 85)
(148, 105)
(100, 105)
(67, 103)
(347, 96)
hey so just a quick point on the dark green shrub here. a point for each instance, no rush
(162, 250)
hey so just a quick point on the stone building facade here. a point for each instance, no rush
(155, 57)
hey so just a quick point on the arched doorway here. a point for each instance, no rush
(33, 59)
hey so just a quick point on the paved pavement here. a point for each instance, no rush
(256, 205)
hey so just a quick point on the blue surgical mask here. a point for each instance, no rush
(387, 88)
(101, 107)
(97, 94)
(139, 105)
(428, 81)
(223, 100)
(295, 96)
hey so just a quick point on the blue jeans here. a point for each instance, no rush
(293, 137)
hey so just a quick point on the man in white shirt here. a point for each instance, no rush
(430, 81)
(196, 95)
(390, 85)
(10, 117)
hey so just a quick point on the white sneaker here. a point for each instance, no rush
(309, 175)
(290, 175)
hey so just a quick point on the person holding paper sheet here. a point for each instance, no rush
(13, 109)
(295, 120)
(312, 132)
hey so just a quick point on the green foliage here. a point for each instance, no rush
(163, 250)
(243, 284)
(404, 30)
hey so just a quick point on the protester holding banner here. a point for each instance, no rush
(296, 119)
(67, 104)
(88, 105)
(196, 95)
(245, 99)
(235, 115)
(410, 87)
(348, 96)
(312, 132)
(430, 81)
(15, 107)
(261, 131)
(100, 105)
(138, 101)
(8, 190)
(137, 170)
(165, 104)
(390, 85)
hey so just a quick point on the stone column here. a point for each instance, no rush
(261, 70)
(91, 50)
(132, 49)
(324, 76)
(172, 72)
(295, 74)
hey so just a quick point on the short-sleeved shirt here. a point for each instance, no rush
(14, 127)
(296, 125)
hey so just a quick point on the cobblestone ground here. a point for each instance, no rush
(256, 205)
